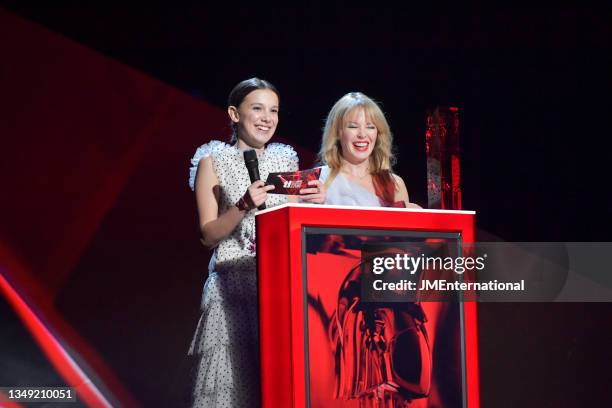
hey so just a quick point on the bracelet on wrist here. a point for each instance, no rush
(242, 204)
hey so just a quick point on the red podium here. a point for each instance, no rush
(312, 358)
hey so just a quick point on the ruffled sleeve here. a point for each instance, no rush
(285, 155)
(203, 151)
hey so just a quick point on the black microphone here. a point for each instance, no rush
(252, 165)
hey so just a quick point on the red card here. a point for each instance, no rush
(292, 182)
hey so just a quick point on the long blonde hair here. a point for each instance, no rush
(381, 159)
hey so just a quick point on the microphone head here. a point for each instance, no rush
(250, 156)
(252, 165)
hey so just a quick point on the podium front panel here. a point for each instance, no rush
(323, 345)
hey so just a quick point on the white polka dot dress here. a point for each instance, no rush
(226, 337)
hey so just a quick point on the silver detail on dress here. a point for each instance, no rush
(342, 191)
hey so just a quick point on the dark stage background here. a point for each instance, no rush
(103, 106)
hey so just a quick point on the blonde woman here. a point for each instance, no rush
(357, 153)
(381, 351)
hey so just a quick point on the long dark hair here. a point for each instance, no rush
(241, 91)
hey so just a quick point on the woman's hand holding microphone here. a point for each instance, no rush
(256, 195)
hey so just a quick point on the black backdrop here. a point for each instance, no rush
(533, 86)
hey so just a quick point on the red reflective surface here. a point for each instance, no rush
(299, 349)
